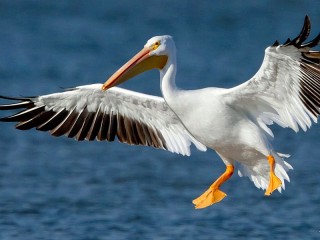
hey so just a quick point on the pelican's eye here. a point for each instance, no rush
(156, 45)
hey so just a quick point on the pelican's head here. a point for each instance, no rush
(154, 54)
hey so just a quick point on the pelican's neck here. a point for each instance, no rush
(167, 78)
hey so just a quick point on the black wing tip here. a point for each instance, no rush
(23, 102)
(5, 119)
(303, 35)
(314, 42)
(276, 43)
(307, 19)
(287, 42)
(15, 98)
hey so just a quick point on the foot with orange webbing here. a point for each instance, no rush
(214, 194)
(274, 181)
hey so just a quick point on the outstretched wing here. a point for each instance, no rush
(286, 89)
(86, 112)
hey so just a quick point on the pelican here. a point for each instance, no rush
(233, 122)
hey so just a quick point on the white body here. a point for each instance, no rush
(233, 122)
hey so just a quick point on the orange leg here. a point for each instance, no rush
(214, 194)
(274, 182)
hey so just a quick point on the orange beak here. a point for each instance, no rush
(141, 62)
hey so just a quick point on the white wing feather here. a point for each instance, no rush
(138, 118)
(286, 89)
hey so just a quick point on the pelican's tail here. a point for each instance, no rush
(259, 172)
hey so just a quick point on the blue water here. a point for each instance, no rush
(56, 188)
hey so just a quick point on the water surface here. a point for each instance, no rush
(56, 188)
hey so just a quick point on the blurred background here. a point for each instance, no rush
(57, 188)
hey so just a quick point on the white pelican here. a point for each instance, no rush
(233, 122)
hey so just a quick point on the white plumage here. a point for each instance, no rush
(86, 112)
(233, 122)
